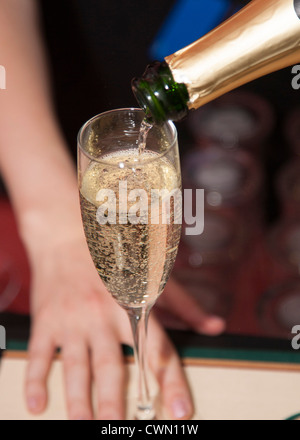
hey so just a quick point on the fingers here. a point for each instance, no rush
(41, 350)
(76, 366)
(108, 373)
(109, 376)
(166, 365)
(179, 302)
(106, 362)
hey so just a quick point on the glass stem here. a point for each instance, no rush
(139, 323)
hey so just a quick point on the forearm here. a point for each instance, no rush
(37, 169)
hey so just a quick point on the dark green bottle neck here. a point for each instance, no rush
(159, 95)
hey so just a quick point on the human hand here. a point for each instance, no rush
(71, 309)
(177, 307)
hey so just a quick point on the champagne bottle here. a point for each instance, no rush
(261, 38)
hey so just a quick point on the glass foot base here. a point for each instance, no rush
(145, 413)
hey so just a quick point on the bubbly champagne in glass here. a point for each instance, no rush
(130, 201)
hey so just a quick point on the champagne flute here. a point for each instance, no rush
(130, 198)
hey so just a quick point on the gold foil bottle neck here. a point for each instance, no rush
(261, 38)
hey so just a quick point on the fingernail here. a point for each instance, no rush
(180, 409)
(33, 403)
(213, 326)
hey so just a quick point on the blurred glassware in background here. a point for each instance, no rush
(291, 130)
(279, 306)
(279, 309)
(288, 189)
(239, 119)
(233, 190)
(283, 244)
(10, 283)
(208, 262)
(220, 245)
(232, 181)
